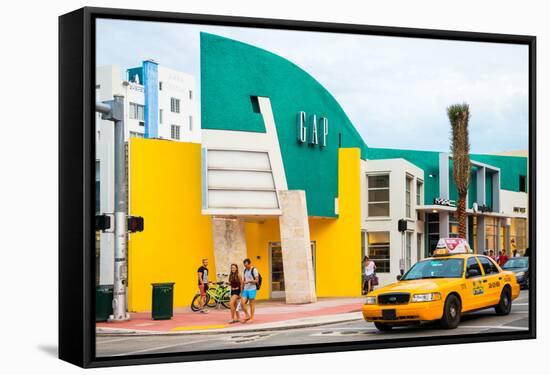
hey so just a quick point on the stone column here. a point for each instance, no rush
(296, 248)
(229, 243)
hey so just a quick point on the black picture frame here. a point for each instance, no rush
(76, 183)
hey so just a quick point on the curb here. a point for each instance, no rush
(275, 326)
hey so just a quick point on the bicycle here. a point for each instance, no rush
(215, 296)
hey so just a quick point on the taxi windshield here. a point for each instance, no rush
(435, 269)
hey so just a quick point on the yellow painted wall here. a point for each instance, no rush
(258, 237)
(165, 188)
(338, 240)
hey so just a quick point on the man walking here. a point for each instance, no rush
(250, 281)
(202, 274)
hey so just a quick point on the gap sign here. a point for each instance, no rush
(310, 131)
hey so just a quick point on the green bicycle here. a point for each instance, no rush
(215, 296)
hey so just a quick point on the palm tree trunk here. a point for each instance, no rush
(461, 216)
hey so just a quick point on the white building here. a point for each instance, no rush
(159, 103)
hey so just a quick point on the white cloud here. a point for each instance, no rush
(395, 90)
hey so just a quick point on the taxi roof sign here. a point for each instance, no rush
(447, 246)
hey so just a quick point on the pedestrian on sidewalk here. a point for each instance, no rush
(503, 258)
(202, 274)
(370, 275)
(251, 278)
(236, 285)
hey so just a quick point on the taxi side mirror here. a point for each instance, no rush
(398, 277)
(472, 273)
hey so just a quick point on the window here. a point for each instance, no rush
(136, 112)
(190, 94)
(408, 188)
(418, 246)
(522, 183)
(175, 132)
(379, 250)
(408, 249)
(490, 233)
(160, 116)
(378, 190)
(160, 85)
(174, 105)
(419, 186)
(472, 264)
(453, 226)
(136, 135)
(518, 234)
(190, 123)
(488, 266)
(433, 231)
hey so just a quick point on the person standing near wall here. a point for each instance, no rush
(236, 284)
(370, 274)
(202, 274)
(250, 280)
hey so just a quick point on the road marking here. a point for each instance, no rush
(159, 348)
(520, 304)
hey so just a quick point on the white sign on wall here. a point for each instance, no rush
(310, 130)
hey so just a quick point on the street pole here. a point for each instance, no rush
(113, 110)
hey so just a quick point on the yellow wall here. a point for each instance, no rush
(338, 240)
(165, 188)
(258, 237)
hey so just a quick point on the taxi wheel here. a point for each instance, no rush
(383, 326)
(505, 304)
(451, 312)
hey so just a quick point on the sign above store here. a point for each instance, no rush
(307, 130)
(444, 202)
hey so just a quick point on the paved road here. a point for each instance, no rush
(478, 322)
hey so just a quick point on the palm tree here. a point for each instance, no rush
(459, 115)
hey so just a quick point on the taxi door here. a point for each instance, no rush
(491, 279)
(474, 288)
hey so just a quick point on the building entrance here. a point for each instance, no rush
(277, 276)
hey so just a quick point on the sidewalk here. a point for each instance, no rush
(270, 315)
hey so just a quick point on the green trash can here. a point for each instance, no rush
(103, 302)
(163, 301)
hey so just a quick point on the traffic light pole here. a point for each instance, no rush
(113, 110)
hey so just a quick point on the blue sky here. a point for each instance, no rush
(395, 90)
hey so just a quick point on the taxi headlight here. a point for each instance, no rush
(426, 297)
(370, 301)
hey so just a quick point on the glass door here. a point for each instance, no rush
(277, 275)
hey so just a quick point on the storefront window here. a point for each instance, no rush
(379, 250)
(433, 232)
(490, 233)
(378, 195)
(453, 226)
(518, 235)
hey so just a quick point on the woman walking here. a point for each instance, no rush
(235, 283)
(370, 275)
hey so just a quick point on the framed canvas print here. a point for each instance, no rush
(234, 187)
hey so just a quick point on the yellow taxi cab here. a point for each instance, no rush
(441, 288)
